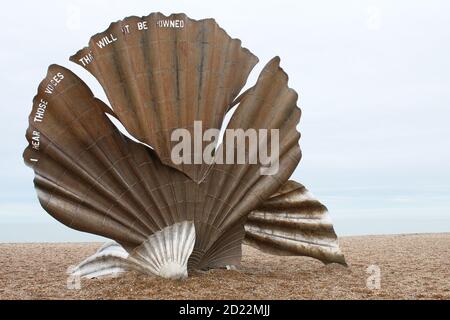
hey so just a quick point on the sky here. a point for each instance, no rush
(374, 85)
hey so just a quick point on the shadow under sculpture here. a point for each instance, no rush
(159, 74)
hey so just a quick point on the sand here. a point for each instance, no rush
(411, 267)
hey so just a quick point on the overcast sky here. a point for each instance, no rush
(374, 85)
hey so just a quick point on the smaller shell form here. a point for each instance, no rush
(109, 260)
(164, 254)
(293, 222)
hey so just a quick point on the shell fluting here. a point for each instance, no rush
(109, 260)
(168, 218)
(293, 222)
(160, 79)
(165, 254)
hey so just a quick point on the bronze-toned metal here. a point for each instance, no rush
(293, 223)
(92, 178)
(158, 78)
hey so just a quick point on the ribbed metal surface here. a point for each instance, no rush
(163, 78)
(293, 222)
(109, 260)
(92, 178)
(165, 254)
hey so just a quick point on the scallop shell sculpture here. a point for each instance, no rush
(166, 219)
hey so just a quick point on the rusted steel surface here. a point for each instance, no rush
(91, 177)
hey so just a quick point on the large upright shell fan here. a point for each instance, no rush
(160, 74)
